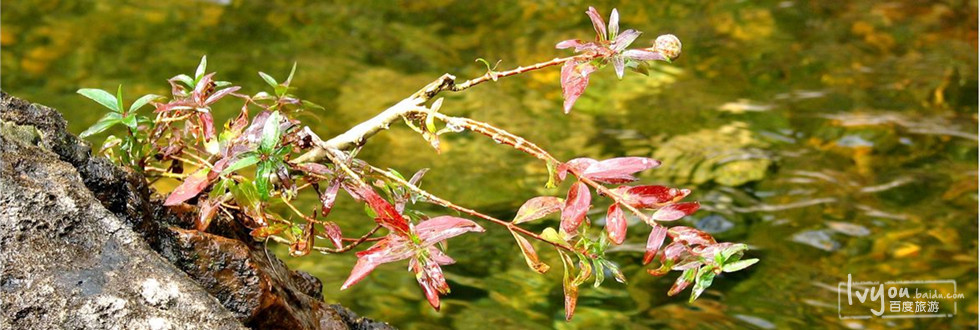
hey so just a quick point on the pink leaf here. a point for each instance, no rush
(574, 80)
(191, 186)
(569, 44)
(444, 227)
(597, 23)
(329, 196)
(332, 230)
(654, 242)
(643, 55)
(577, 165)
(220, 94)
(673, 212)
(616, 224)
(576, 205)
(202, 87)
(316, 168)
(620, 65)
(691, 236)
(651, 196)
(537, 208)
(207, 125)
(624, 40)
(619, 170)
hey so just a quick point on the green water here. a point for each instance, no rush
(834, 138)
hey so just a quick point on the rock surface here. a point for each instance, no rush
(81, 244)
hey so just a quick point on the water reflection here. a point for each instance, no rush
(833, 138)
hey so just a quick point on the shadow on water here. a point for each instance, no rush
(832, 138)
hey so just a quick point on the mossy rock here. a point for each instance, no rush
(730, 155)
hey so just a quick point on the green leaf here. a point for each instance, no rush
(551, 235)
(739, 265)
(308, 104)
(241, 163)
(130, 121)
(704, 278)
(268, 79)
(200, 69)
(618, 274)
(552, 176)
(569, 288)
(530, 256)
(140, 102)
(119, 99)
(102, 97)
(245, 194)
(292, 72)
(185, 79)
(219, 188)
(281, 90)
(262, 180)
(103, 124)
(270, 133)
(600, 273)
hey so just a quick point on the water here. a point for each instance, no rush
(832, 138)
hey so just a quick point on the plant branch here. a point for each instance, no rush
(450, 205)
(358, 135)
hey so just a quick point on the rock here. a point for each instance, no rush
(82, 241)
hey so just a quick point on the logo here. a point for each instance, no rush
(897, 299)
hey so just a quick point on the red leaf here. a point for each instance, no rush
(675, 211)
(431, 279)
(574, 80)
(654, 242)
(619, 170)
(682, 282)
(576, 205)
(616, 224)
(191, 186)
(387, 216)
(391, 248)
(537, 208)
(651, 196)
(577, 165)
(332, 230)
(691, 236)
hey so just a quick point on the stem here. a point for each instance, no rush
(504, 137)
(447, 204)
(348, 247)
(357, 135)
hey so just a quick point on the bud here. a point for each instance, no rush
(668, 45)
